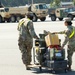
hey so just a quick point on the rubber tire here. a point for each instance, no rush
(18, 18)
(0, 19)
(43, 18)
(40, 68)
(34, 18)
(60, 19)
(70, 16)
(53, 17)
(66, 70)
(12, 18)
(8, 20)
(53, 71)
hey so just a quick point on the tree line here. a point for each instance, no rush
(24, 2)
(21, 2)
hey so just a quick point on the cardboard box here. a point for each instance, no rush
(51, 39)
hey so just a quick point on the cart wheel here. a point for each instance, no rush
(40, 68)
(66, 70)
(53, 71)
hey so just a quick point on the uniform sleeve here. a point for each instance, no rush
(19, 24)
(65, 41)
(61, 32)
(66, 38)
(31, 30)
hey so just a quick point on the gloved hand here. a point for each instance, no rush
(45, 32)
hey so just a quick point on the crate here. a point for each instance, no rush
(52, 39)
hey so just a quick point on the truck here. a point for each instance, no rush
(55, 13)
(70, 12)
(61, 13)
(14, 14)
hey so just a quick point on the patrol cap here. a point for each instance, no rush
(30, 16)
(68, 20)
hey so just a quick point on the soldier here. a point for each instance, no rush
(26, 35)
(70, 39)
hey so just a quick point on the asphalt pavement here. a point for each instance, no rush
(10, 55)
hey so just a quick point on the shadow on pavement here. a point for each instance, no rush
(45, 71)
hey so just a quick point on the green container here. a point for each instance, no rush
(57, 54)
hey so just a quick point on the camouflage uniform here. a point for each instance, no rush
(70, 39)
(25, 42)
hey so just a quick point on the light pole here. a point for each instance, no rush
(28, 2)
(32, 1)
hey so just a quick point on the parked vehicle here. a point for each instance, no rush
(55, 13)
(13, 14)
(61, 13)
(70, 12)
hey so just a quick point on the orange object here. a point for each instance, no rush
(52, 39)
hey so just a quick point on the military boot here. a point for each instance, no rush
(27, 67)
(69, 68)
